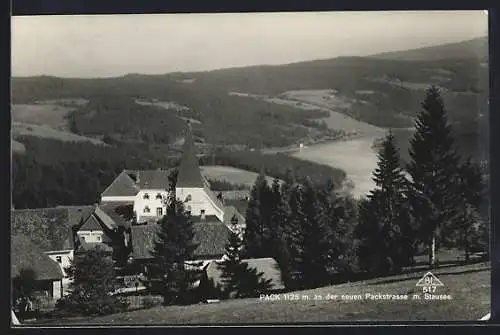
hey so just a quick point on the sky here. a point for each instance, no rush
(114, 45)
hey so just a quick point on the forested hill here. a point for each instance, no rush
(474, 48)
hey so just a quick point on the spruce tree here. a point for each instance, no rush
(174, 246)
(93, 284)
(295, 239)
(258, 216)
(315, 238)
(433, 169)
(386, 235)
(471, 191)
(231, 266)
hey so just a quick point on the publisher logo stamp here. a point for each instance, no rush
(429, 283)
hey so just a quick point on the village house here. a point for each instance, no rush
(146, 191)
(27, 257)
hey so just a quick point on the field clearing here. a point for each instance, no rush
(468, 286)
(48, 114)
(24, 129)
(171, 106)
(324, 100)
(230, 174)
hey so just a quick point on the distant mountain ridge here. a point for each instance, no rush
(474, 48)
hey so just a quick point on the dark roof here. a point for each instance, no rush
(211, 236)
(267, 266)
(114, 210)
(91, 224)
(152, 179)
(105, 219)
(26, 255)
(189, 170)
(208, 218)
(49, 228)
(240, 205)
(122, 186)
(77, 214)
(214, 198)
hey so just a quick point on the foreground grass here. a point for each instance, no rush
(469, 287)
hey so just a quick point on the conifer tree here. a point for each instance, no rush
(231, 267)
(174, 245)
(471, 191)
(385, 231)
(93, 284)
(258, 215)
(315, 237)
(433, 170)
(295, 240)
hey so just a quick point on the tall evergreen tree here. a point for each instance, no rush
(258, 216)
(295, 239)
(471, 191)
(93, 279)
(174, 246)
(433, 169)
(316, 239)
(231, 267)
(387, 239)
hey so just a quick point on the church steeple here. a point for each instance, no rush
(189, 170)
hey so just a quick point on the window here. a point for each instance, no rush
(146, 209)
(146, 196)
(158, 196)
(188, 210)
(98, 237)
(202, 212)
(159, 211)
(58, 259)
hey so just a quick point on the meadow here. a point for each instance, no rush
(231, 174)
(468, 287)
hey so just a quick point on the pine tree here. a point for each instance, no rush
(173, 247)
(433, 168)
(258, 215)
(93, 282)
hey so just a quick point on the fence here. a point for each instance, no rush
(143, 301)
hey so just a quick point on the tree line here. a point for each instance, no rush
(53, 172)
(314, 233)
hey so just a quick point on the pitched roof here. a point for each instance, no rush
(77, 214)
(214, 198)
(152, 179)
(267, 266)
(116, 211)
(240, 205)
(105, 218)
(189, 170)
(210, 236)
(27, 255)
(91, 224)
(122, 186)
(230, 212)
(49, 228)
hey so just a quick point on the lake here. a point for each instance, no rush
(355, 157)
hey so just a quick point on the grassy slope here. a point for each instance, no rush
(469, 287)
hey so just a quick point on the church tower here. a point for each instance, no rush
(191, 187)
